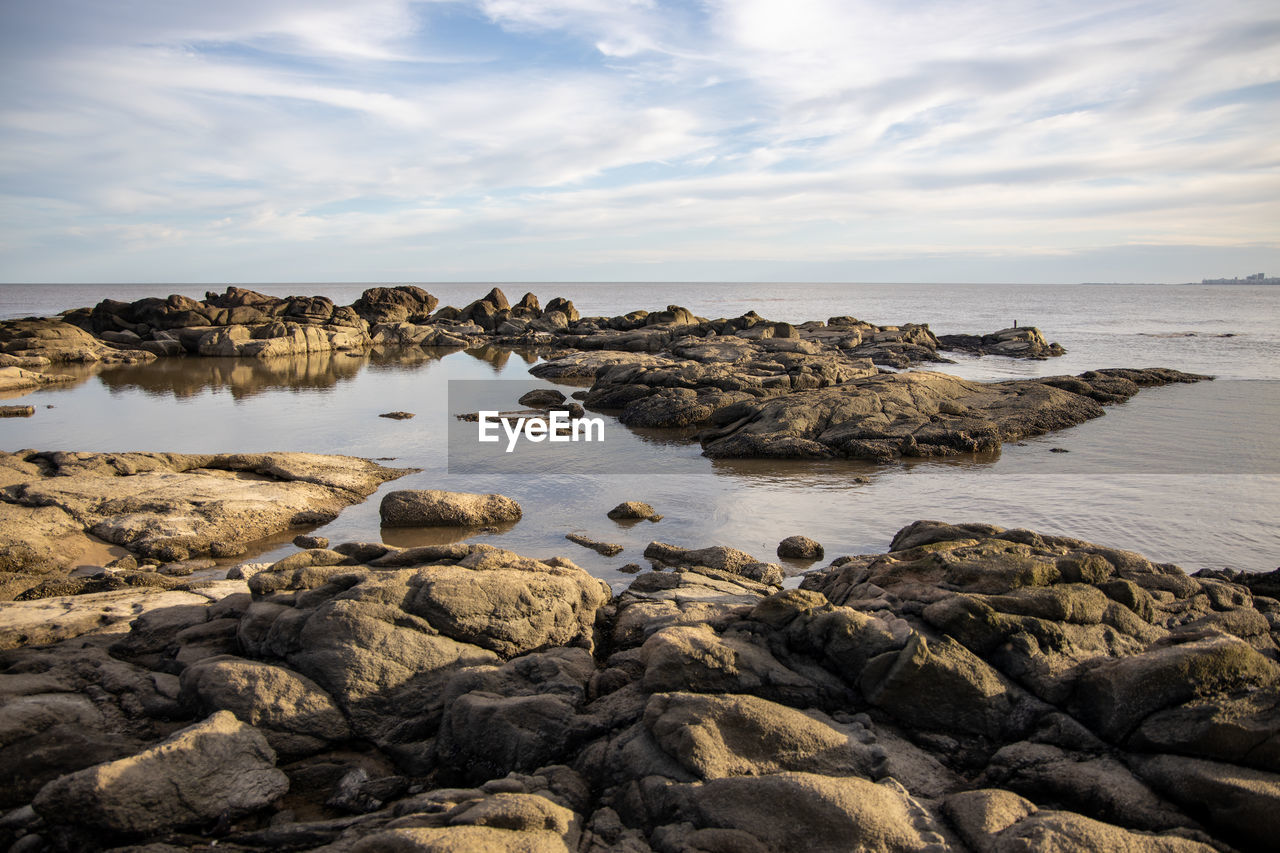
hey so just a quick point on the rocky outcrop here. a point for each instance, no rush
(917, 414)
(634, 511)
(56, 340)
(167, 506)
(974, 688)
(433, 507)
(1025, 342)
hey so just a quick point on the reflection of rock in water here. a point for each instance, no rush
(415, 537)
(497, 356)
(400, 358)
(244, 377)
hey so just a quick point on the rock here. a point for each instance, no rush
(1024, 342)
(914, 414)
(172, 506)
(715, 737)
(633, 511)
(608, 549)
(214, 768)
(542, 398)
(49, 620)
(1240, 803)
(309, 542)
(431, 507)
(395, 304)
(1001, 820)
(16, 411)
(716, 557)
(291, 710)
(797, 812)
(800, 548)
(397, 416)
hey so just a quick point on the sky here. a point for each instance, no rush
(638, 140)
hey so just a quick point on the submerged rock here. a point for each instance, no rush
(634, 511)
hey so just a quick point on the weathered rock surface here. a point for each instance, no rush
(1024, 342)
(433, 507)
(800, 548)
(214, 768)
(170, 506)
(21, 379)
(634, 511)
(917, 414)
(975, 688)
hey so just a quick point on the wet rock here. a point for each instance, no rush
(542, 398)
(1024, 342)
(716, 557)
(431, 507)
(607, 549)
(633, 511)
(309, 542)
(15, 411)
(216, 767)
(397, 416)
(172, 506)
(916, 414)
(800, 548)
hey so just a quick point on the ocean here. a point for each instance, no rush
(1188, 474)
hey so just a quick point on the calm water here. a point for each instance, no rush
(1186, 474)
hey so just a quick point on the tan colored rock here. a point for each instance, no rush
(433, 507)
(174, 506)
(216, 767)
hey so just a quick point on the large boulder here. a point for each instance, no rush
(794, 812)
(433, 507)
(217, 767)
(294, 714)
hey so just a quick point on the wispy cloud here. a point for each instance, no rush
(185, 140)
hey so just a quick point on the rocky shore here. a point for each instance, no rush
(244, 323)
(972, 689)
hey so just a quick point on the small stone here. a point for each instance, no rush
(608, 549)
(307, 542)
(633, 511)
(542, 398)
(433, 507)
(800, 548)
(1058, 450)
(398, 416)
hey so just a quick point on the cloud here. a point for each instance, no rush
(683, 133)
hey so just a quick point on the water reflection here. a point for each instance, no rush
(414, 537)
(247, 377)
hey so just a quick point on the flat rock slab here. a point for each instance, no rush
(919, 414)
(48, 620)
(169, 505)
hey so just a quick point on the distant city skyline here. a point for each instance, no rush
(638, 140)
